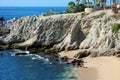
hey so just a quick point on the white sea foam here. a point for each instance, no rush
(14, 51)
(35, 56)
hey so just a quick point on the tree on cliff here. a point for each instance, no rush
(76, 6)
(84, 2)
(99, 3)
(71, 6)
(77, 2)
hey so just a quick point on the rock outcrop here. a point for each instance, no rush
(57, 30)
(100, 37)
(65, 32)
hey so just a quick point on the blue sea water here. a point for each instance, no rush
(17, 12)
(32, 67)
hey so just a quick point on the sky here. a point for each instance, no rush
(35, 2)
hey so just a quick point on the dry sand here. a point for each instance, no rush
(70, 54)
(99, 68)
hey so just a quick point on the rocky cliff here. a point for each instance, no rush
(64, 32)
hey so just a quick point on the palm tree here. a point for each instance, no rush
(76, 6)
(100, 2)
(113, 2)
(97, 1)
(71, 4)
(94, 3)
(89, 4)
(84, 2)
(77, 2)
(103, 2)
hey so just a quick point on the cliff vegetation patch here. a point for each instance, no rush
(115, 28)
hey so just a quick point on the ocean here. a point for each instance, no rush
(17, 12)
(31, 67)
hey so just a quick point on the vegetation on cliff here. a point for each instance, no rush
(80, 5)
(115, 28)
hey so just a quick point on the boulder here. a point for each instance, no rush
(77, 62)
(2, 19)
(4, 31)
(64, 59)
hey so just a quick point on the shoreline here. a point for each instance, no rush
(98, 68)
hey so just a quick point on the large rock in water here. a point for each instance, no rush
(65, 31)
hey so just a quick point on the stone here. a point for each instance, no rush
(64, 32)
(1, 54)
(20, 54)
(4, 31)
(82, 54)
(64, 59)
(118, 55)
(4, 47)
(77, 62)
(2, 19)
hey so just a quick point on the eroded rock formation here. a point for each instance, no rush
(65, 32)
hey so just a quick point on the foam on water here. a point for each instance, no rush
(38, 57)
(32, 67)
(33, 56)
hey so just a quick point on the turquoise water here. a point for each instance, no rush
(17, 12)
(32, 67)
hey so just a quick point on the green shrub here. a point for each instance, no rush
(84, 14)
(98, 16)
(89, 4)
(118, 15)
(115, 28)
(107, 7)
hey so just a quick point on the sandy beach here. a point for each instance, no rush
(99, 68)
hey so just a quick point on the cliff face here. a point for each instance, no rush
(100, 37)
(65, 31)
(59, 30)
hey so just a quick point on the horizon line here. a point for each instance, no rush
(33, 6)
